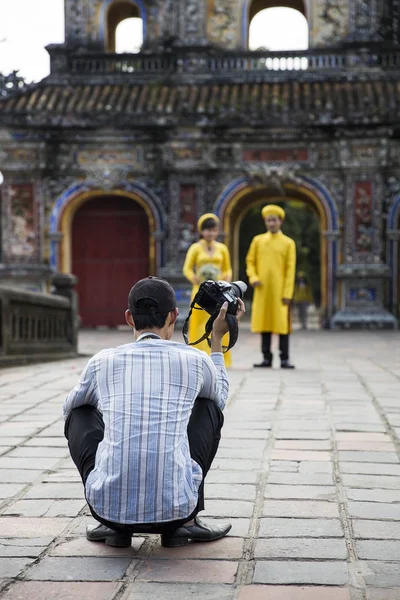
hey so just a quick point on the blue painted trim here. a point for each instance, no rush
(103, 11)
(392, 223)
(245, 23)
(393, 214)
(324, 192)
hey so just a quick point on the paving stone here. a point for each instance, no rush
(12, 567)
(301, 548)
(11, 441)
(284, 466)
(300, 479)
(56, 490)
(46, 590)
(39, 451)
(364, 446)
(369, 457)
(226, 549)
(168, 591)
(371, 481)
(378, 549)
(361, 495)
(254, 445)
(281, 592)
(64, 476)
(386, 530)
(304, 425)
(223, 476)
(19, 476)
(370, 469)
(81, 547)
(27, 463)
(386, 594)
(300, 455)
(30, 548)
(306, 466)
(344, 426)
(301, 491)
(7, 490)
(236, 464)
(19, 429)
(372, 510)
(76, 569)
(300, 528)
(231, 491)
(191, 571)
(256, 425)
(302, 435)
(50, 442)
(46, 508)
(247, 434)
(20, 527)
(239, 453)
(381, 574)
(302, 445)
(229, 508)
(299, 509)
(362, 437)
(278, 572)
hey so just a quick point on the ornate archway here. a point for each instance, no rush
(239, 196)
(68, 203)
(252, 7)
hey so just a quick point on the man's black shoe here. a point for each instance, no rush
(285, 364)
(101, 533)
(265, 364)
(200, 532)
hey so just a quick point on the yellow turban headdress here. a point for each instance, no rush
(204, 218)
(273, 209)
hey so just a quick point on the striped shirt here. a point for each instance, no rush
(146, 391)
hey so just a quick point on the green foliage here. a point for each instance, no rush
(302, 225)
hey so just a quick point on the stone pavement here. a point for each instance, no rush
(308, 472)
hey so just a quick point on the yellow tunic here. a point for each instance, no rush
(271, 259)
(196, 258)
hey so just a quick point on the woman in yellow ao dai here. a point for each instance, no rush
(206, 259)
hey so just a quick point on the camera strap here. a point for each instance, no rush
(232, 325)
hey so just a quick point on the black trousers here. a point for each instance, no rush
(84, 430)
(266, 346)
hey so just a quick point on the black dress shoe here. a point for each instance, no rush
(101, 533)
(265, 364)
(200, 532)
(285, 364)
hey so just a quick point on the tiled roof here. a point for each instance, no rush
(322, 102)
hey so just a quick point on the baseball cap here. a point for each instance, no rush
(151, 296)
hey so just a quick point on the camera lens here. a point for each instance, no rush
(239, 288)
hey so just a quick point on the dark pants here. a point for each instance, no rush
(84, 430)
(266, 346)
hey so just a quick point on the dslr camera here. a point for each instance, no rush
(210, 298)
(212, 295)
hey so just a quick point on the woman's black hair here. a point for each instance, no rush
(209, 223)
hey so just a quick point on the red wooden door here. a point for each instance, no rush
(110, 252)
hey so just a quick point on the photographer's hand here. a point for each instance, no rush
(220, 327)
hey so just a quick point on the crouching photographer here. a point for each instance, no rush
(144, 423)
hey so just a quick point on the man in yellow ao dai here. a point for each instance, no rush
(271, 266)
